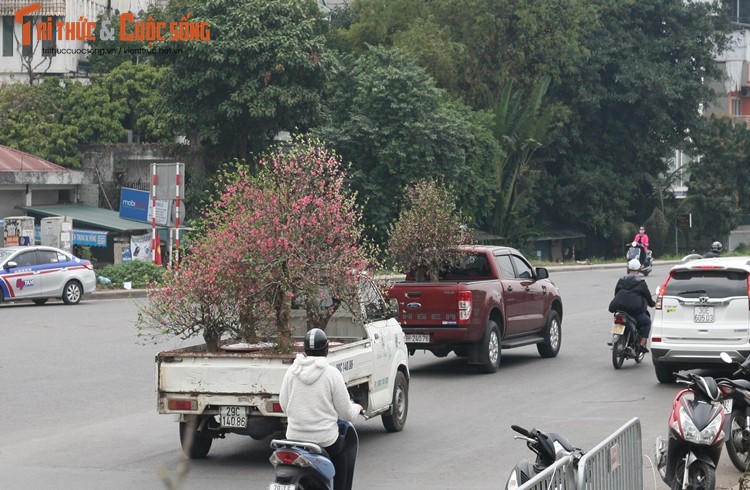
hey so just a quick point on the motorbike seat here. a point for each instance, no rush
(306, 446)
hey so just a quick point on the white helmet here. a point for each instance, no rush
(634, 265)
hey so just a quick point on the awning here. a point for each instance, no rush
(558, 235)
(88, 217)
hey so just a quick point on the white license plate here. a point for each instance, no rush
(703, 314)
(727, 402)
(418, 338)
(281, 486)
(618, 329)
(235, 417)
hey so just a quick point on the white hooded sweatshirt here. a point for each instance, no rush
(314, 396)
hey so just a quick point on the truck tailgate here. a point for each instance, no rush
(423, 303)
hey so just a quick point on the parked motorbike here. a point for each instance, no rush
(635, 252)
(625, 340)
(306, 466)
(548, 449)
(737, 403)
(689, 457)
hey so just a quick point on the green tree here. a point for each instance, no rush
(261, 72)
(719, 185)
(632, 102)
(522, 127)
(387, 117)
(109, 54)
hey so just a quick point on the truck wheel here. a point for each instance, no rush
(490, 349)
(195, 445)
(395, 419)
(552, 337)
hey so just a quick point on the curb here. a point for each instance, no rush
(117, 293)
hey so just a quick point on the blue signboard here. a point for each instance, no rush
(134, 204)
(84, 238)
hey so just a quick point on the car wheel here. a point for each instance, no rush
(552, 337)
(194, 444)
(72, 293)
(490, 349)
(395, 419)
(40, 301)
(664, 373)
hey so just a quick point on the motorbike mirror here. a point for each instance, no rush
(725, 357)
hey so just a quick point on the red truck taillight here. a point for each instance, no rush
(464, 306)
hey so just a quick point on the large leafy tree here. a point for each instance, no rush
(719, 186)
(387, 117)
(261, 72)
(633, 101)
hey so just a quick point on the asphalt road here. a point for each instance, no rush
(79, 406)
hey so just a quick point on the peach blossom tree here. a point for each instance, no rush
(284, 232)
(424, 238)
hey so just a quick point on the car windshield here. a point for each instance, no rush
(711, 283)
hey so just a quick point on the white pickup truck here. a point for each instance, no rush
(236, 390)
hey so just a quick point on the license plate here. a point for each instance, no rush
(727, 403)
(418, 338)
(235, 417)
(281, 486)
(618, 329)
(703, 314)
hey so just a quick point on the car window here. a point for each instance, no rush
(5, 253)
(506, 266)
(473, 265)
(523, 270)
(711, 283)
(47, 257)
(26, 259)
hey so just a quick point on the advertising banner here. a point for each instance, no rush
(134, 204)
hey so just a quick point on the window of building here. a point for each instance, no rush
(8, 26)
(736, 107)
(28, 49)
(49, 46)
(739, 11)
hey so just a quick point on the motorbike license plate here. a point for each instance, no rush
(703, 314)
(727, 403)
(418, 338)
(618, 329)
(234, 417)
(280, 486)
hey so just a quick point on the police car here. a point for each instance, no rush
(39, 273)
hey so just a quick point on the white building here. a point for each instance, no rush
(21, 62)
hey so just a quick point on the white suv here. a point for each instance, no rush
(702, 309)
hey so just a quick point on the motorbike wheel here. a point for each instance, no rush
(701, 476)
(618, 351)
(738, 440)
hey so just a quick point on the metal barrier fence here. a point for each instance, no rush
(559, 476)
(613, 464)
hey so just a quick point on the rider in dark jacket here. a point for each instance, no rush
(716, 248)
(633, 297)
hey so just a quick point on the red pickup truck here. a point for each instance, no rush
(492, 300)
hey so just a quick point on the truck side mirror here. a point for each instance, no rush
(542, 273)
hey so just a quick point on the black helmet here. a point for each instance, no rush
(316, 343)
(716, 247)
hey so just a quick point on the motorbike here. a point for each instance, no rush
(306, 466)
(548, 449)
(625, 340)
(737, 393)
(689, 457)
(635, 252)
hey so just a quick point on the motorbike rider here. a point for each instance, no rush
(314, 396)
(715, 251)
(642, 238)
(633, 297)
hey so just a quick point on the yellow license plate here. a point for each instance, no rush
(618, 329)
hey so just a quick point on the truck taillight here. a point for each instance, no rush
(662, 290)
(464, 306)
(177, 404)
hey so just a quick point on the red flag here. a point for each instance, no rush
(157, 255)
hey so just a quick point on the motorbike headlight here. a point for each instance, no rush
(691, 433)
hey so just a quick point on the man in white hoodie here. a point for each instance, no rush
(314, 396)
